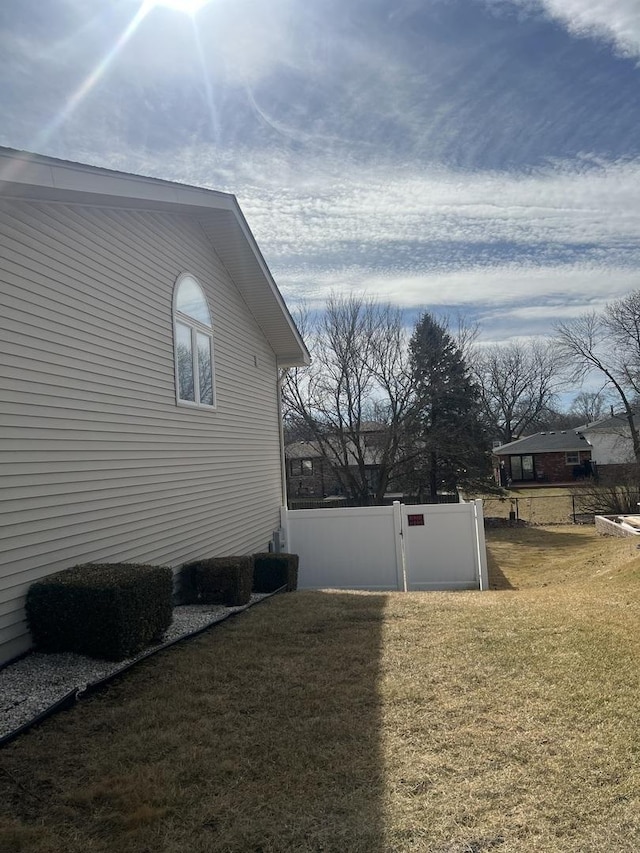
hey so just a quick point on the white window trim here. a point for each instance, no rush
(572, 453)
(194, 326)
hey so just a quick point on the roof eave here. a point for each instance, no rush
(35, 177)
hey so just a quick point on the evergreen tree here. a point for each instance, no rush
(447, 424)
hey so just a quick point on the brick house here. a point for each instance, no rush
(546, 457)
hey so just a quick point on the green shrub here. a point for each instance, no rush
(219, 580)
(104, 611)
(272, 571)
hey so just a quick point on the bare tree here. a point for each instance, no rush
(359, 375)
(608, 344)
(590, 406)
(518, 383)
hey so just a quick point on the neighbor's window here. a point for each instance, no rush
(522, 467)
(372, 476)
(193, 336)
(572, 458)
(301, 467)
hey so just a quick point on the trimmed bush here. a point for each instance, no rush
(272, 571)
(105, 611)
(219, 580)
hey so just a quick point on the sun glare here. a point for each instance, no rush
(190, 7)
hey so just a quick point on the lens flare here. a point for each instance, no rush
(90, 81)
(190, 7)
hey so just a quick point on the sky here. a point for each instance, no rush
(473, 157)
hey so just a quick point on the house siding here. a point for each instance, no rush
(611, 448)
(97, 461)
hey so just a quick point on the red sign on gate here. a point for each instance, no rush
(416, 520)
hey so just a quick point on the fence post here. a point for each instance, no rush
(573, 507)
(401, 570)
(481, 546)
(284, 524)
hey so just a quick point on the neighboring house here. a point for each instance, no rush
(548, 457)
(309, 473)
(313, 474)
(142, 338)
(611, 441)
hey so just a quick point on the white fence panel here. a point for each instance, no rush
(441, 546)
(426, 547)
(347, 548)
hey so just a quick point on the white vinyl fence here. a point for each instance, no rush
(397, 547)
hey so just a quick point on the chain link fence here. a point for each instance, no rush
(338, 502)
(543, 509)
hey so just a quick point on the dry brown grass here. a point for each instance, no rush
(441, 722)
(536, 506)
(525, 557)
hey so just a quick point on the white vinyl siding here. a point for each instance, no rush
(97, 461)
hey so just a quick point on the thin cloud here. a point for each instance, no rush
(597, 206)
(616, 21)
(510, 248)
(510, 287)
(443, 154)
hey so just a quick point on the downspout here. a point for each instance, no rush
(283, 461)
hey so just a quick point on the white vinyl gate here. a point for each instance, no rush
(399, 547)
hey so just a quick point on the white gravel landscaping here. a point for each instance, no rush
(36, 682)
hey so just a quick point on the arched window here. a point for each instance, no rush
(193, 337)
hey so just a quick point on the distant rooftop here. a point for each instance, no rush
(611, 422)
(545, 442)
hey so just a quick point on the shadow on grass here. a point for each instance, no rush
(497, 578)
(261, 735)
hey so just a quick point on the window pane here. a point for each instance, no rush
(184, 355)
(516, 468)
(527, 467)
(190, 300)
(372, 476)
(204, 369)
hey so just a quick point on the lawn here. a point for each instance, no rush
(336, 722)
(538, 505)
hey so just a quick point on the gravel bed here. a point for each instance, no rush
(36, 682)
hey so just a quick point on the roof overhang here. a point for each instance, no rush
(35, 177)
(544, 443)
